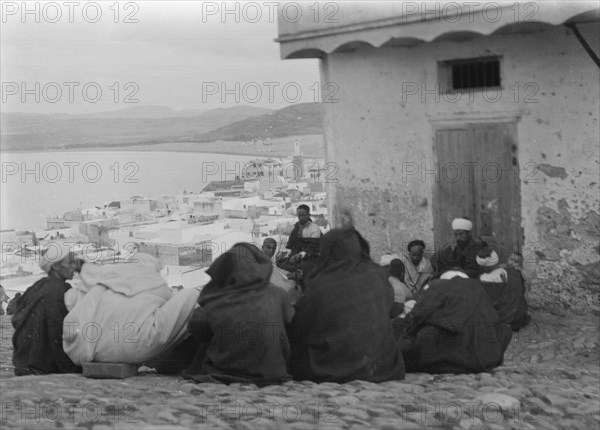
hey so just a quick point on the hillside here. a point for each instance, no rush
(300, 119)
(152, 125)
(37, 132)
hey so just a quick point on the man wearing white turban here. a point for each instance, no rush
(39, 315)
(464, 253)
(58, 257)
(463, 224)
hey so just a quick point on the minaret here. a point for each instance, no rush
(298, 161)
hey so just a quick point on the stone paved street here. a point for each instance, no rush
(550, 380)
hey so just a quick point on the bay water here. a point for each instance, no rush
(36, 185)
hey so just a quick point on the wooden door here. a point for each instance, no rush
(497, 190)
(487, 192)
(454, 193)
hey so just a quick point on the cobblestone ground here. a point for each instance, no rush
(550, 379)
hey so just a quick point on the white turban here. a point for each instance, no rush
(387, 259)
(490, 261)
(54, 253)
(462, 224)
(453, 274)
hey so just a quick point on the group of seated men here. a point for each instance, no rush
(409, 272)
(339, 318)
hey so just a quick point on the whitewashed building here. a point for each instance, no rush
(481, 109)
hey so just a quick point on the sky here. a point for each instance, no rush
(72, 57)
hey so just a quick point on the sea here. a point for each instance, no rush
(36, 185)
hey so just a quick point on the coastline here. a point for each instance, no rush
(182, 164)
(129, 149)
(183, 151)
(312, 145)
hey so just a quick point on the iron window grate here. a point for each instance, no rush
(481, 73)
(470, 74)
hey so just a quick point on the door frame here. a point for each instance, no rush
(447, 121)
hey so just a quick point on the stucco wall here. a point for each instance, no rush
(375, 133)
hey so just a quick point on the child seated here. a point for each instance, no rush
(395, 272)
(515, 261)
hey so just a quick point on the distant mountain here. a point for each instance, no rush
(140, 124)
(168, 112)
(300, 119)
(132, 112)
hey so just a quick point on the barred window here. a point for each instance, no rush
(476, 73)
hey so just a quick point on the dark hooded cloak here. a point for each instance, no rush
(342, 330)
(453, 328)
(508, 299)
(38, 322)
(240, 322)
